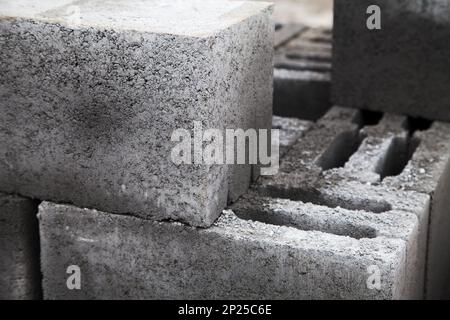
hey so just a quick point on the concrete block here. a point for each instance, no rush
(91, 92)
(401, 68)
(310, 232)
(285, 32)
(413, 154)
(302, 75)
(20, 277)
(349, 156)
(122, 257)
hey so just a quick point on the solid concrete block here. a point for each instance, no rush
(302, 75)
(122, 257)
(19, 249)
(400, 68)
(91, 92)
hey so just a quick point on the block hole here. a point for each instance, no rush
(308, 57)
(278, 26)
(316, 197)
(341, 149)
(397, 156)
(321, 39)
(365, 118)
(416, 124)
(306, 222)
(306, 66)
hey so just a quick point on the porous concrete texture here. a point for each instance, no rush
(291, 130)
(91, 92)
(302, 72)
(19, 249)
(365, 160)
(122, 257)
(401, 68)
(317, 230)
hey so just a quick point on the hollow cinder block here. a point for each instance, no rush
(91, 92)
(400, 68)
(349, 156)
(122, 257)
(19, 249)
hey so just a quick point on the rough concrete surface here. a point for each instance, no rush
(291, 130)
(310, 232)
(401, 68)
(88, 115)
(19, 249)
(363, 160)
(125, 257)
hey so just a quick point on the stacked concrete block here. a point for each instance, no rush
(302, 72)
(401, 67)
(20, 277)
(322, 228)
(92, 91)
(363, 160)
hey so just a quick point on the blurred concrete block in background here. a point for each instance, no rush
(402, 67)
(302, 72)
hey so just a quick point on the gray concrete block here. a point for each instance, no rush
(302, 75)
(428, 172)
(401, 68)
(89, 105)
(125, 257)
(406, 154)
(359, 159)
(20, 277)
(310, 232)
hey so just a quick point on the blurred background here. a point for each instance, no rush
(313, 13)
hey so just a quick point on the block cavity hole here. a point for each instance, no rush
(332, 200)
(306, 223)
(416, 124)
(341, 149)
(306, 66)
(308, 56)
(397, 156)
(365, 118)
